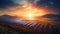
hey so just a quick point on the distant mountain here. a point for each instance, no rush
(10, 19)
(52, 16)
(7, 18)
(55, 17)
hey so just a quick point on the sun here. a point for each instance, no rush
(30, 15)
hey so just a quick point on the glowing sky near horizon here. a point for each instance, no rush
(16, 9)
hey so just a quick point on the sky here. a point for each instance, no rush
(7, 6)
(50, 4)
